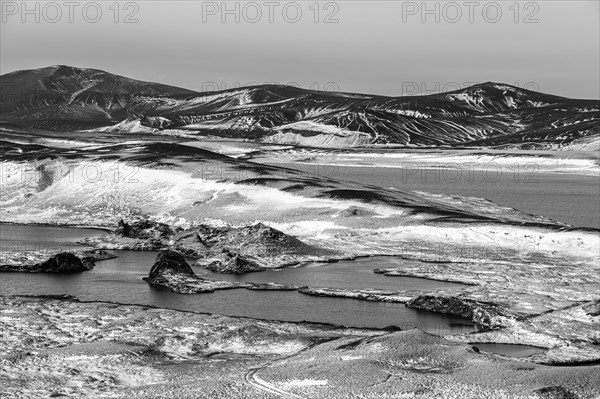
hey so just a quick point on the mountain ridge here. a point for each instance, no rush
(63, 98)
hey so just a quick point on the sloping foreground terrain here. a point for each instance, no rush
(106, 350)
(485, 115)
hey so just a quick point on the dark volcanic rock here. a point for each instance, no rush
(250, 240)
(234, 263)
(172, 271)
(170, 262)
(63, 262)
(486, 315)
(143, 229)
(254, 248)
(246, 248)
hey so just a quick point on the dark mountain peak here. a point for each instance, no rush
(499, 97)
(498, 88)
(75, 78)
(52, 70)
(65, 70)
(79, 97)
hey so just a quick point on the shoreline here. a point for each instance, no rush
(324, 327)
(104, 349)
(59, 224)
(63, 297)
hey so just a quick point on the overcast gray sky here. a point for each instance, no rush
(380, 47)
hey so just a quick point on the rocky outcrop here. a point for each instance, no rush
(170, 262)
(263, 245)
(233, 263)
(61, 263)
(143, 229)
(365, 295)
(224, 249)
(172, 271)
(140, 235)
(52, 262)
(485, 315)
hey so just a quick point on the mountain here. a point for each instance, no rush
(485, 115)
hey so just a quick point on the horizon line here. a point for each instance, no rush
(489, 82)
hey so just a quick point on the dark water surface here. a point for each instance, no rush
(352, 275)
(566, 198)
(120, 280)
(32, 238)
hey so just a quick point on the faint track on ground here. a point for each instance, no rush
(257, 382)
(265, 386)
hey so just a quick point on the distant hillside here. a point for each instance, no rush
(484, 115)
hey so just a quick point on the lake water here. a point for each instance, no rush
(357, 274)
(570, 199)
(120, 280)
(32, 238)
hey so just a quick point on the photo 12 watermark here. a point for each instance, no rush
(442, 88)
(233, 172)
(526, 12)
(84, 172)
(54, 12)
(467, 252)
(11, 90)
(284, 89)
(468, 172)
(252, 12)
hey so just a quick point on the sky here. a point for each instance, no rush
(378, 47)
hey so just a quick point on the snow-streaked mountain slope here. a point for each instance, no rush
(487, 114)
